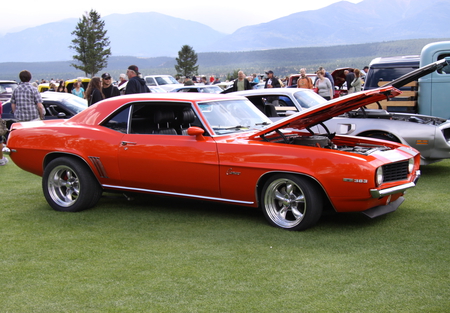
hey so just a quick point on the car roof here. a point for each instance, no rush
(397, 61)
(157, 75)
(8, 82)
(53, 95)
(286, 91)
(105, 107)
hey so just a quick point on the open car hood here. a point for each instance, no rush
(321, 113)
(339, 76)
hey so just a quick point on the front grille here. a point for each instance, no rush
(395, 171)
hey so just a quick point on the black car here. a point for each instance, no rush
(57, 105)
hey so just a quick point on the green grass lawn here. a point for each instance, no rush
(156, 254)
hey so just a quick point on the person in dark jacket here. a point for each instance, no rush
(241, 83)
(136, 84)
(107, 87)
(272, 82)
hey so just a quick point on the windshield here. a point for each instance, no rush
(212, 89)
(231, 116)
(308, 99)
(7, 87)
(166, 80)
(75, 104)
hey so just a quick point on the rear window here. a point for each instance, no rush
(387, 74)
(7, 87)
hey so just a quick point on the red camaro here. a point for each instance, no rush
(218, 148)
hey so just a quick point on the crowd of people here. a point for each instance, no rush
(26, 101)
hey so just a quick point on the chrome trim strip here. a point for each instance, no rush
(177, 194)
(375, 193)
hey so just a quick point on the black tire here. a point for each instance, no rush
(291, 202)
(69, 185)
(382, 135)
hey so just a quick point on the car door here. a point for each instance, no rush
(168, 164)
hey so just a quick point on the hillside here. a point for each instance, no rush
(281, 61)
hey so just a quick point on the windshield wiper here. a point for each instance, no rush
(263, 123)
(229, 127)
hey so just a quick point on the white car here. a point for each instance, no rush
(199, 88)
(167, 82)
(428, 134)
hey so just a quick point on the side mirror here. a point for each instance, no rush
(197, 132)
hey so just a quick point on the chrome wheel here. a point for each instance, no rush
(291, 202)
(63, 186)
(285, 203)
(69, 185)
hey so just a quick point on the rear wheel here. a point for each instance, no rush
(291, 202)
(69, 185)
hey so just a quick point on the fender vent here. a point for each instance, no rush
(98, 166)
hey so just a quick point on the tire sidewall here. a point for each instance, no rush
(89, 189)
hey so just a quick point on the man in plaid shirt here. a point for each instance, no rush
(26, 101)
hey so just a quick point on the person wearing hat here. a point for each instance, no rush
(272, 82)
(107, 87)
(136, 84)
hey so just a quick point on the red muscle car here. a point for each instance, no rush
(217, 148)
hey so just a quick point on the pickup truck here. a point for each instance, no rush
(427, 96)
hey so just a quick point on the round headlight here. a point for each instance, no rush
(379, 176)
(410, 165)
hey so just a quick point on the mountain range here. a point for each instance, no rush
(152, 34)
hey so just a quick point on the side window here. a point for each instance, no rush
(161, 81)
(445, 69)
(150, 81)
(162, 118)
(118, 121)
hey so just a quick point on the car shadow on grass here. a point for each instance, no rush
(167, 207)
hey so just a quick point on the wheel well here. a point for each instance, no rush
(52, 156)
(380, 134)
(262, 181)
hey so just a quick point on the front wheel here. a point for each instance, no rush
(291, 202)
(69, 185)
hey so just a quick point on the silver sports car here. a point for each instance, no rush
(429, 135)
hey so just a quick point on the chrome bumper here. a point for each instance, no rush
(375, 193)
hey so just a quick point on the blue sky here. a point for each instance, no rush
(225, 16)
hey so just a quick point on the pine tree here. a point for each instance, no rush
(90, 44)
(187, 58)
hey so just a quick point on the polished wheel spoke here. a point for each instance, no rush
(297, 214)
(280, 196)
(64, 186)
